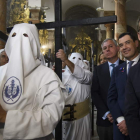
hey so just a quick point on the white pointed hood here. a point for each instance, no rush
(23, 50)
(77, 59)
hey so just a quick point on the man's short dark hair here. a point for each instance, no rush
(128, 33)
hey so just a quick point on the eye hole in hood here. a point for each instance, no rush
(14, 34)
(25, 35)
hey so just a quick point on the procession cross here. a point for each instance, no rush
(58, 25)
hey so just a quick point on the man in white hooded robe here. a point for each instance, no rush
(77, 80)
(31, 93)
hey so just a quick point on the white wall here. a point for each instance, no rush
(108, 5)
(50, 11)
(34, 3)
(47, 3)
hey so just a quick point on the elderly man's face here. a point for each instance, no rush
(3, 58)
(109, 49)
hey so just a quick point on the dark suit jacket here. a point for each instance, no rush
(99, 91)
(132, 103)
(116, 92)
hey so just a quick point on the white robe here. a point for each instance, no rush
(78, 88)
(2, 72)
(32, 94)
(38, 110)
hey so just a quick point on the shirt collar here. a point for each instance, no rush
(136, 59)
(116, 63)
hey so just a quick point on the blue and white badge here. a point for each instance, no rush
(68, 89)
(12, 90)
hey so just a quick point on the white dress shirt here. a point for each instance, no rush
(136, 59)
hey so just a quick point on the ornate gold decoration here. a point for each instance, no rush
(42, 19)
(82, 42)
(20, 13)
(24, 17)
(43, 36)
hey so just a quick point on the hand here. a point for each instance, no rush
(61, 54)
(53, 67)
(123, 128)
(110, 118)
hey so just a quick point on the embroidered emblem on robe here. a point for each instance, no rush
(12, 91)
(68, 89)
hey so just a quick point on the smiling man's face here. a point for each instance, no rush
(128, 47)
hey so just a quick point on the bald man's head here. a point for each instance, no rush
(3, 58)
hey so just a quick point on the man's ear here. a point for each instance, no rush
(136, 43)
(138, 35)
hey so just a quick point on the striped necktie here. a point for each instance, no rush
(129, 65)
(112, 65)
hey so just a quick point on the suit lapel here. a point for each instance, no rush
(107, 72)
(124, 75)
(120, 61)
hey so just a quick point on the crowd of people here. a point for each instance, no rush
(115, 89)
(34, 99)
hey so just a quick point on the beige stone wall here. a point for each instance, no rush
(120, 26)
(2, 20)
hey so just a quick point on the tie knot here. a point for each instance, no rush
(112, 65)
(130, 63)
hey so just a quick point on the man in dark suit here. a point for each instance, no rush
(99, 90)
(132, 99)
(116, 97)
